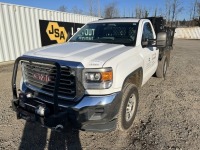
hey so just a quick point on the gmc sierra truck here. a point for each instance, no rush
(92, 81)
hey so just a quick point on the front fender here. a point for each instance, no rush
(124, 67)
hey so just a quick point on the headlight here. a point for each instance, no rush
(97, 78)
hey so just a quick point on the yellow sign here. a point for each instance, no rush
(55, 32)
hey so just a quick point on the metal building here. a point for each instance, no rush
(20, 28)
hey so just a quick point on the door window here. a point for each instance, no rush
(147, 32)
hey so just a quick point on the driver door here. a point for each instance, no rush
(150, 53)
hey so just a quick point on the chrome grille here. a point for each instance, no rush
(42, 77)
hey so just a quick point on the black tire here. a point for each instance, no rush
(162, 68)
(130, 93)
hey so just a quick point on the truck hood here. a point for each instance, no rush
(91, 55)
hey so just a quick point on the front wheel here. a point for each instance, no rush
(128, 107)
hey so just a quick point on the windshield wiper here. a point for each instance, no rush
(106, 38)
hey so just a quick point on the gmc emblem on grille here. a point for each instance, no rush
(42, 77)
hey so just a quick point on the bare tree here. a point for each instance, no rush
(198, 9)
(124, 12)
(146, 14)
(190, 12)
(141, 12)
(194, 8)
(91, 7)
(62, 8)
(111, 10)
(176, 9)
(99, 8)
(155, 11)
(94, 8)
(92, 4)
(160, 12)
(77, 10)
(168, 11)
(138, 12)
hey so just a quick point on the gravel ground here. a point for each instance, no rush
(168, 116)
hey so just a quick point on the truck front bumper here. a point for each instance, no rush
(92, 113)
(98, 113)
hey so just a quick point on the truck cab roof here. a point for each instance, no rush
(116, 20)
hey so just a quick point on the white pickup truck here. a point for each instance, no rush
(92, 80)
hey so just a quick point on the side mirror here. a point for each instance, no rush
(161, 40)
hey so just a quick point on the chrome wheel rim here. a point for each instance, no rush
(130, 108)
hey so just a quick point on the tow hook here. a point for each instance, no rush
(42, 110)
(58, 128)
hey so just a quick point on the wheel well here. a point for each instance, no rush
(135, 78)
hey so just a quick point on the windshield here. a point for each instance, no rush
(116, 33)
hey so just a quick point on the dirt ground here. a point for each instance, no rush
(168, 116)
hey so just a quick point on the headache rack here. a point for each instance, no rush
(159, 26)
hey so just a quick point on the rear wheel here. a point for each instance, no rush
(128, 107)
(162, 68)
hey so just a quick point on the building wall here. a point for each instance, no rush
(188, 33)
(20, 29)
